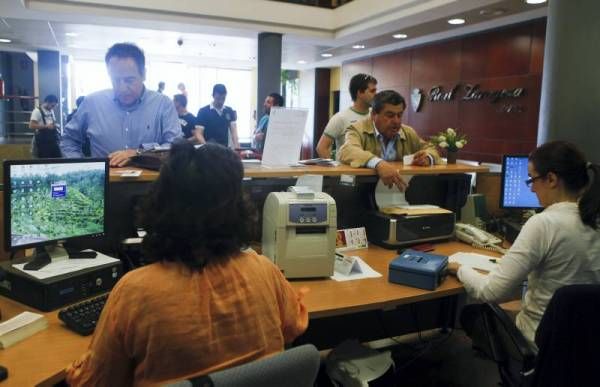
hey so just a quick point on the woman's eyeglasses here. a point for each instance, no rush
(530, 181)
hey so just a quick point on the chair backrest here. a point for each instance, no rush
(569, 338)
(295, 367)
(495, 334)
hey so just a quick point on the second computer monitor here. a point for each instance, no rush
(515, 194)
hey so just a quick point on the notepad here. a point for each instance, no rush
(21, 327)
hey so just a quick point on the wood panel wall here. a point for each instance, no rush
(500, 59)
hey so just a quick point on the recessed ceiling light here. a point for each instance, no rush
(456, 21)
(400, 36)
(326, 55)
(71, 34)
(302, 62)
(2, 40)
(535, 1)
(358, 46)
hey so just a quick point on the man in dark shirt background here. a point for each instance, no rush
(219, 120)
(186, 119)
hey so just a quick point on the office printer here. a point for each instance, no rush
(299, 230)
(393, 231)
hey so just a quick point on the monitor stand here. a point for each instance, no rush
(54, 253)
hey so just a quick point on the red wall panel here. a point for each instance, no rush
(506, 58)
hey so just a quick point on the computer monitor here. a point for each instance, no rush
(515, 194)
(47, 201)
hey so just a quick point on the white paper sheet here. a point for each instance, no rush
(66, 266)
(364, 271)
(314, 182)
(476, 261)
(390, 197)
(284, 137)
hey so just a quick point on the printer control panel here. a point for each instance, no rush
(307, 213)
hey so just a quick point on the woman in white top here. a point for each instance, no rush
(557, 247)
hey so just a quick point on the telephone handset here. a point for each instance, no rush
(478, 238)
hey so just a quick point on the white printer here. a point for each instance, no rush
(298, 233)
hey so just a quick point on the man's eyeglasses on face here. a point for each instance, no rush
(530, 181)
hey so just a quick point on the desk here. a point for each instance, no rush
(43, 356)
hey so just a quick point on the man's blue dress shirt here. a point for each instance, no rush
(111, 127)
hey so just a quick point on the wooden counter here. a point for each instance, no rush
(261, 171)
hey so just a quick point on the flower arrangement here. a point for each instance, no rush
(449, 140)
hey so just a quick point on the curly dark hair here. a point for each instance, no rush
(195, 212)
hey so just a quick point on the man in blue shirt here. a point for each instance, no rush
(121, 121)
(218, 120)
(258, 140)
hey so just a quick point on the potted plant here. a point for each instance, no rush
(451, 141)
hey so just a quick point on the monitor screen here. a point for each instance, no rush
(55, 199)
(514, 192)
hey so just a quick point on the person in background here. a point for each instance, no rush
(218, 304)
(260, 133)
(122, 121)
(380, 138)
(161, 87)
(78, 102)
(43, 122)
(362, 90)
(181, 88)
(557, 247)
(218, 120)
(186, 119)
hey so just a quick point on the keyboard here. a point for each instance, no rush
(83, 317)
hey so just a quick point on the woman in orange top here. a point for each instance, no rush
(205, 304)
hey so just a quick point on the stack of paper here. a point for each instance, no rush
(21, 327)
(476, 261)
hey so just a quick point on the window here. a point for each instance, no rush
(90, 76)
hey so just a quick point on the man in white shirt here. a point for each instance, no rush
(43, 122)
(362, 90)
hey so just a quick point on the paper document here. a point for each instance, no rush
(314, 182)
(476, 261)
(391, 197)
(284, 138)
(359, 269)
(66, 266)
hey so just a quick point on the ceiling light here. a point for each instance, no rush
(358, 46)
(2, 40)
(535, 1)
(301, 62)
(400, 36)
(456, 21)
(326, 55)
(71, 34)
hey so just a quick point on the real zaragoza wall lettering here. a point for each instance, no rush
(469, 92)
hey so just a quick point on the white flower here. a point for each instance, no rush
(450, 132)
(442, 138)
(459, 144)
(443, 144)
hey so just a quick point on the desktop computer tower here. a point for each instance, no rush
(53, 293)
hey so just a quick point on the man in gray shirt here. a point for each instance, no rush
(121, 121)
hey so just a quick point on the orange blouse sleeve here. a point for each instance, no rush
(293, 313)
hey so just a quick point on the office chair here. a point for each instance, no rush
(568, 340)
(295, 367)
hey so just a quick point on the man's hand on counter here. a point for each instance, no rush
(121, 158)
(390, 175)
(421, 158)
